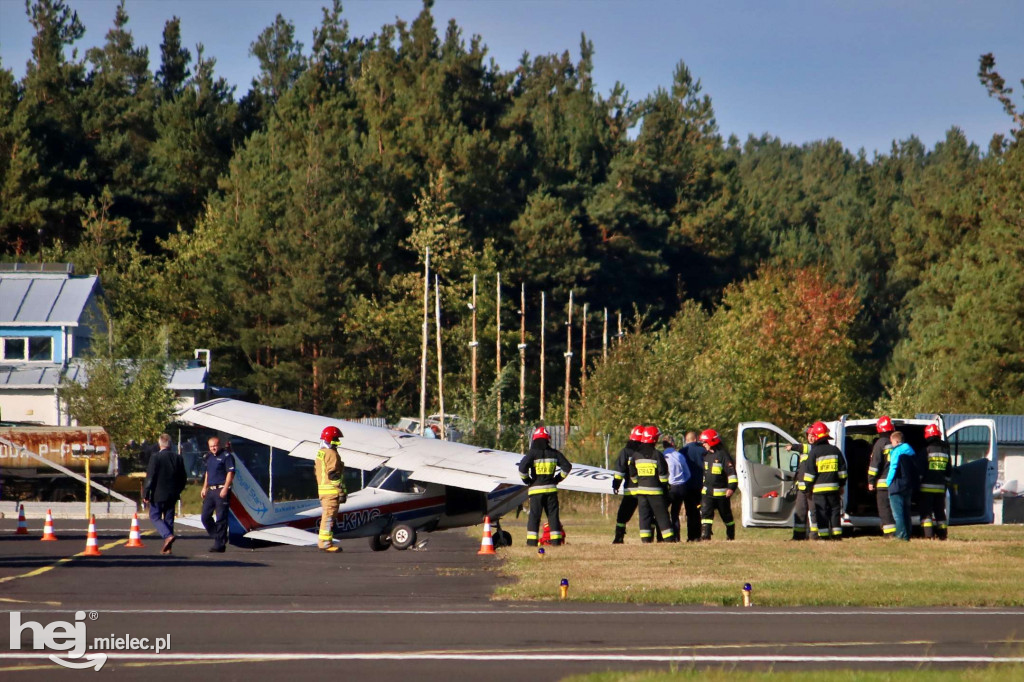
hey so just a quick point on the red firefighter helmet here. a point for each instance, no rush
(331, 435)
(710, 437)
(637, 433)
(650, 435)
(932, 431)
(817, 431)
(884, 425)
(540, 432)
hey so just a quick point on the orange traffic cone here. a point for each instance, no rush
(48, 527)
(91, 548)
(486, 542)
(134, 539)
(22, 524)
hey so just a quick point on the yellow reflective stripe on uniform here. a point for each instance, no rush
(720, 492)
(646, 467)
(545, 467)
(828, 464)
(545, 489)
(733, 479)
(808, 478)
(716, 468)
(882, 483)
(648, 491)
(826, 487)
(936, 488)
(618, 476)
(872, 471)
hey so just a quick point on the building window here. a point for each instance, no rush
(31, 348)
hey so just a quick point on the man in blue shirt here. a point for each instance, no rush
(902, 480)
(678, 475)
(216, 493)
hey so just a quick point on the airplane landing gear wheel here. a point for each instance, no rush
(403, 536)
(506, 538)
(379, 543)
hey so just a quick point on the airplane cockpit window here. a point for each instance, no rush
(379, 477)
(395, 480)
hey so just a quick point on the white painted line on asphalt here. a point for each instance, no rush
(490, 656)
(746, 613)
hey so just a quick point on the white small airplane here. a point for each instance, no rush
(420, 485)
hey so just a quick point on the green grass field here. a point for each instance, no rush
(977, 566)
(996, 673)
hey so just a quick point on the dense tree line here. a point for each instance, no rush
(285, 229)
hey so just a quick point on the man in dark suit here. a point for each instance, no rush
(165, 479)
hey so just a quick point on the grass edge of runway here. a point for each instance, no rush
(979, 566)
(991, 673)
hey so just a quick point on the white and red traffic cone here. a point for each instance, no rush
(22, 524)
(487, 542)
(48, 528)
(134, 538)
(92, 548)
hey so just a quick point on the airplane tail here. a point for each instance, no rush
(251, 507)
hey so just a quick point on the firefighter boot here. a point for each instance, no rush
(730, 531)
(929, 530)
(705, 532)
(620, 536)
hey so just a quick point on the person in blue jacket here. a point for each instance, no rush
(903, 481)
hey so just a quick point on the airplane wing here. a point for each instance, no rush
(192, 521)
(367, 447)
(285, 535)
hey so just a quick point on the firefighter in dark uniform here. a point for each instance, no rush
(825, 477)
(622, 480)
(649, 472)
(878, 472)
(720, 483)
(542, 469)
(936, 478)
(804, 516)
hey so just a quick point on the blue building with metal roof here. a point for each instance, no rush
(48, 319)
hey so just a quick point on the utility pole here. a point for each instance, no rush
(522, 367)
(543, 323)
(583, 352)
(426, 334)
(604, 338)
(472, 351)
(568, 365)
(618, 336)
(497, 354)
(440, 363)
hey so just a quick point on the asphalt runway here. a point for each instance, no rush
(426, 615)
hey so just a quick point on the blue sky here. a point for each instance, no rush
(865, 72)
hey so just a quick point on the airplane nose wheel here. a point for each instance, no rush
(379, 543)
(403, 536)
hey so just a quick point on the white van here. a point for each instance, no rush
(767, 470)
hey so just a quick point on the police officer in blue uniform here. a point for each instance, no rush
(216, 493)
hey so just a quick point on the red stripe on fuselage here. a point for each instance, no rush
(240, 512)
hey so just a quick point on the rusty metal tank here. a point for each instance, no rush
(64, 445)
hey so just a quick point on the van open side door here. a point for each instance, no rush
(975, 461)
(766, 472)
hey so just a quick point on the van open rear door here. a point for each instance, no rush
(975, 460)
(766, 472)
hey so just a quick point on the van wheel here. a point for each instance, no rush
(379, 543)
(403, 536)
